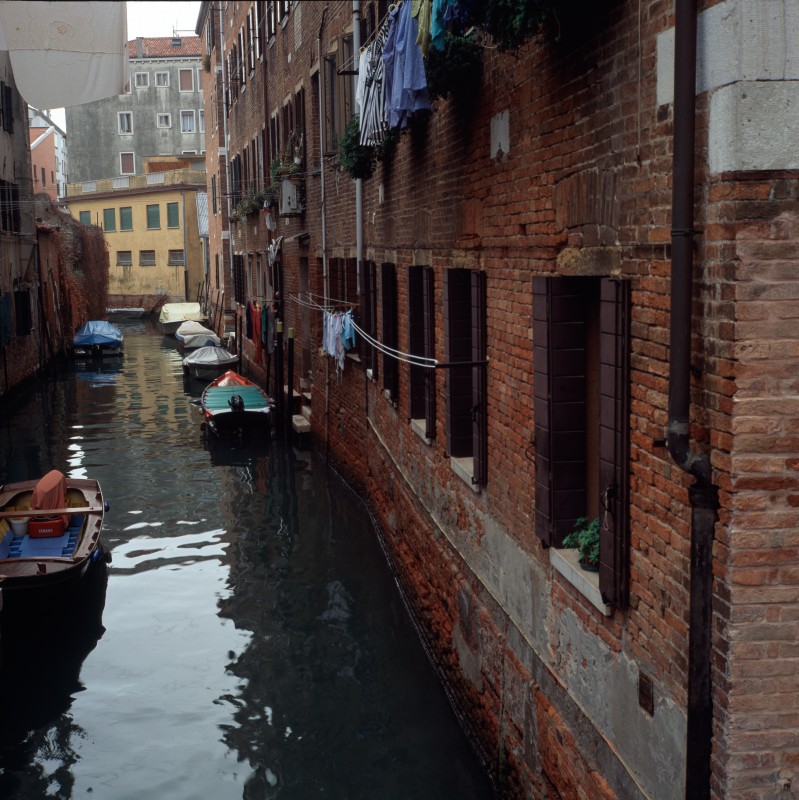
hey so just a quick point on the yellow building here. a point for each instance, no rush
(153, 232)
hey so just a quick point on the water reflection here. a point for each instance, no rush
(255, 642)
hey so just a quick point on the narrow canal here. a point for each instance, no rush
(253, 640)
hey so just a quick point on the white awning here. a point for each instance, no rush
(66, 54)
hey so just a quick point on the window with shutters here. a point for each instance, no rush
(581, 381)
(162, 79)
(85, 217)
(109, 219)
(153, 217)
(238, 279)
(465, 327)
(369, 318)
(421, 332)
(127, 164)
(125, 122)
(172, 215)
(186, 80)
(142, 80)
(388, 295)
(126, 218)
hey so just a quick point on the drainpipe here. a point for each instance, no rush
(322, 207)
(356, 49)
(221, 46)
(703, 495)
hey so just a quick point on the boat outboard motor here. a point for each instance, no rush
(236, 402)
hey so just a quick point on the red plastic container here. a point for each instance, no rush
(42, 527)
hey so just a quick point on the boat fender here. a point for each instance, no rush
(106, 506)
(236, 402)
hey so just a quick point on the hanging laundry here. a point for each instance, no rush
(449, 15)
(422, 13)
(405, 79)
(347, 331)
(373, 121)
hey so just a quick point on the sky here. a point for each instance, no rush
(152, 19)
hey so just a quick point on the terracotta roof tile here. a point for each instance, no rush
(162, 47)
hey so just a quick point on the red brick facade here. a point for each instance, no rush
(558, 165)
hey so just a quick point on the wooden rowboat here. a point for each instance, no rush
(49, 533)
(234, 403)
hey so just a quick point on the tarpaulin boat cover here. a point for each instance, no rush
(195, 334)
(98, 332)
(66, 54)
(211, 356)
(176, 312)
(50, 492)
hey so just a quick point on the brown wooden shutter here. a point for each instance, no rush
(429, 305)
(458, 325)
(614, 435)
(388, 285)
(559, 406)
(479, 376)
(416, 340)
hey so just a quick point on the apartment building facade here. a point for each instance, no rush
(48, 145)
(161, 114)
(573, 285)
(152, 227)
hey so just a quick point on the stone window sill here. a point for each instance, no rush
(464, 469)
(419, 427)
(566, 562)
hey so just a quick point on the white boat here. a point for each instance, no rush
(192, 334)
(207, 363)
(174, 314)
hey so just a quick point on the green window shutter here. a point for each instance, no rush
(109, 219)
(172, 215)
(126, 218)
(85, 217)
(388, 287)
(416, 335)
(479, 408)
(153, 217)
(458, 328)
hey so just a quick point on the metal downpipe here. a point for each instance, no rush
(703, 495)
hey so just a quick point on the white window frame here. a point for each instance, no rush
(127, 153)
(124, 115)
(167, 118)
(164, 85)
(145, 82)
(201, 120)
(184, 115)
(190, 70)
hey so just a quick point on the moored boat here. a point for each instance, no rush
(207, 363)
(98, 339)
(49, 534)
(173, 315)
(192, 334)
(234, 403)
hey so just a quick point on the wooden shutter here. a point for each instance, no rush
(559, 406)
(458, 325)
(429, 307)
(614, 435)
(390, 362)
(416, 340)
(479, 392)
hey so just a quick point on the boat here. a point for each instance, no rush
(232, 402)
(174, 314)
(49, 534)
(192, 334)
(98, 339)
(207, 363)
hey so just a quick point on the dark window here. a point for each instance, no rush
(369, 316)
(388, 293)
(153, 217)
(126, 218)
(213, 194)
(8, 109)
(85, 217)
(22, 312)
(465, 326)
(421, 333)
(238, 279)
(109, 219)
(581, 380)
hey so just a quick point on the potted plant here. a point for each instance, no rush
(585, 537)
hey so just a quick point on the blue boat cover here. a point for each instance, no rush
(97, 332)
